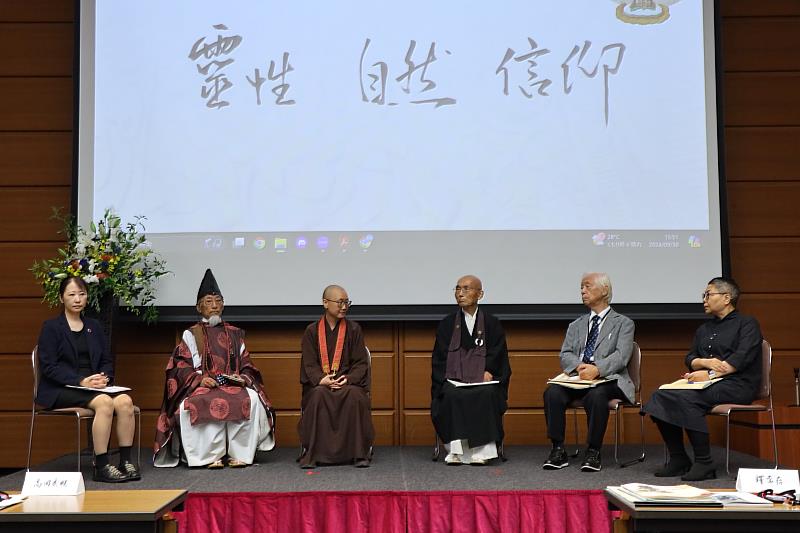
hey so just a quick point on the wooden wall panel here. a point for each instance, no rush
(27, 210)
(761, 99)
(766, 265)
(36, 104)
(758, 8)
(17, 392)
(763, 44)
(20, 322)
(37, 11)
(41, 158)
(775, 313)
(762, 153)
(783, 365)
(382, 391)
(40, 49)
(17, 259)
(763, 209)
(281, 374)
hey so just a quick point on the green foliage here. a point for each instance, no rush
(111, 258)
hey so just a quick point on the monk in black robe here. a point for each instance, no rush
(336, 423)
(470, 348)
(727, 347)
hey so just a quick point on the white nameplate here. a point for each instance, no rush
(758, 479)
(53, 484)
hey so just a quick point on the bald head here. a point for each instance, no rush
(330, 289)
(470, 280)
(468, 291)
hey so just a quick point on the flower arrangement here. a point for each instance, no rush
(114, 260)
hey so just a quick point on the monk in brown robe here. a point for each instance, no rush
(336, 425)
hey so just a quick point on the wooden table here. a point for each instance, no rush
(109, 511)
(778, 518)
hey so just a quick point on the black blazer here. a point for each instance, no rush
(58, 357)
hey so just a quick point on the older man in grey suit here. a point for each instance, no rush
(597, 346)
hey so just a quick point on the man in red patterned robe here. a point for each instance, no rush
(214, 402)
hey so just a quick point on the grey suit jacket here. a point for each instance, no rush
(611, 354)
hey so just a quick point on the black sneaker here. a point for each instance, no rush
(591, 461)
(109, 474)
(556, 460)
(130, 470)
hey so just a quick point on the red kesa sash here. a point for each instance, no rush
(323, 346)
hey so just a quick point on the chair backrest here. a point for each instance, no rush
(635, 368)
(766, 371)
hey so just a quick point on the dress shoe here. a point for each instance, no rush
(130, 470)
(109, 474)
(700, 472)
(556, 460)
(674, 468)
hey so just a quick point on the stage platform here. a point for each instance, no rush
(398, 469)
(403, 491)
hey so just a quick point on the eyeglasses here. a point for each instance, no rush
(340, 303)
(788, 497)
(209, 301)
(706, 294)
(458, 289)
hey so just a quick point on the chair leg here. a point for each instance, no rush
(575, 427)
(728, 443)
(501, 452)
(78, 419)
(30, 441)
(644, 453)
(774, 436)
(139, 439)
(616, 435)
(437, 451)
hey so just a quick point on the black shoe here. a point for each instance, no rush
(556, 460)
(109, 474)
(700, 472)
(675, 467)
(591, 461)
(130, 470)
(361, 463)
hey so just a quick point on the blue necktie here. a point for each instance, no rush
(588, 352)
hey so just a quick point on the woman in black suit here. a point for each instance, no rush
(72, 351)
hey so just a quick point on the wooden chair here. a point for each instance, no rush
(764, 393)
(78, 414)
(618, 408)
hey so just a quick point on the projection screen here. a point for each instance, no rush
(391, 148)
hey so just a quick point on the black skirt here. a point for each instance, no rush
(69, 397)
(688, 408)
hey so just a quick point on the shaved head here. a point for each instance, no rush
(330, 288)
(473, 281)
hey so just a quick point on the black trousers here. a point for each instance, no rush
(595, 403)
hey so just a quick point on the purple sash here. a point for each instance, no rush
(467, 365)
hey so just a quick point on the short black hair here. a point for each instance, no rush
(727, 286)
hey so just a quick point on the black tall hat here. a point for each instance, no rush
(208, 286)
